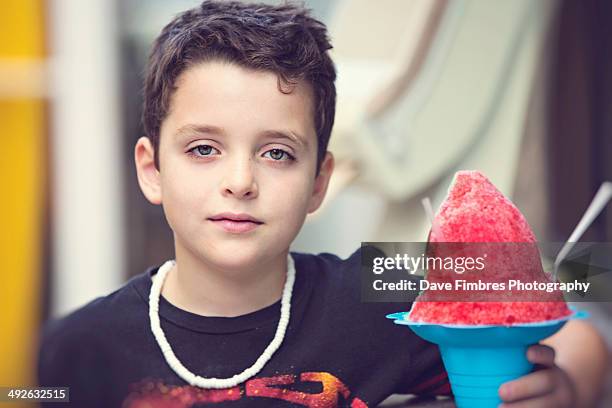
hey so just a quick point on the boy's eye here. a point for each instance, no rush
(278, 154)
(202, 150)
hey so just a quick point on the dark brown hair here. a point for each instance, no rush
(283, 39)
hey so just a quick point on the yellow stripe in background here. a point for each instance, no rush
(23, 158)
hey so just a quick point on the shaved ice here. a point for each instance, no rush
(474, 211)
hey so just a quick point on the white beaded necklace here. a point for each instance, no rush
(196, 380)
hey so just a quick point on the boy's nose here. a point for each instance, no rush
(239, 180)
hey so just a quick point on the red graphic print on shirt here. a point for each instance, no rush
(156, 394)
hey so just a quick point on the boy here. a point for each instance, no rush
(239, 105)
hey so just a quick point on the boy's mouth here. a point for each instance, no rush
(236, 223)
(243, 217)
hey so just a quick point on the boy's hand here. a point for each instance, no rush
(548, 386)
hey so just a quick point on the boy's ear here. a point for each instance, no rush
(148, 175)
(321, 182)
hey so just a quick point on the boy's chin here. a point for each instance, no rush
(238, 259)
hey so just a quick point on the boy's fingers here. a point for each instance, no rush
(541, 354)
(539, 383)
(547, 401)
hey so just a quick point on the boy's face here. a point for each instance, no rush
(221, 151)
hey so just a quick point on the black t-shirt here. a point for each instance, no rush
(337, 351)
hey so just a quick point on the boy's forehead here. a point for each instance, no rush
(212, 96)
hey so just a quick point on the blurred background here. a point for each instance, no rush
(518, 89)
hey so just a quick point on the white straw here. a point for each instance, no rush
(428, 209)
(599, 202)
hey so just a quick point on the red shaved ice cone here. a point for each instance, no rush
(475, 211)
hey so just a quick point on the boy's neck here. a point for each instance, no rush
(207, 291)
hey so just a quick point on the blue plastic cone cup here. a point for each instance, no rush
(479, 359)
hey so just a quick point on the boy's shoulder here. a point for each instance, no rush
(335, 278)
(101, 316)
(70, 346)
(328, 262)
(330, 266)
(326, 268)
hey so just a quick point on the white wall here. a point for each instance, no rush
(87, 171)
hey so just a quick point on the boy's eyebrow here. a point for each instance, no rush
(291, 135)
(190, 129)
